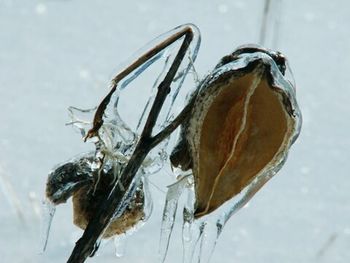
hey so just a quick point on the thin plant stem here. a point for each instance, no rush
(86, 244)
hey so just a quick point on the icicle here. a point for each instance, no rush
(208, 242)
(148, 205)
(174, 192)
(190, 231)
(191, 236)
(47, 216)
(200, 236)
(199, 239)
(120, 245)
(198, 229)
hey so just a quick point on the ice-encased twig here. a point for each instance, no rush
(113, 205)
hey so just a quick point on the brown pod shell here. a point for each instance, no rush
(77, 179)
(243, 122)
(85, 205)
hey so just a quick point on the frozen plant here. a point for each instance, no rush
(236, 129)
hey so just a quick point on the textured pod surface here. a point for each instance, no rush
(67, 178)
(87, 199)
(77, 179)
(243, 122)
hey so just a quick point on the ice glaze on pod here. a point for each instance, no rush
(76, 178)
(244, 119)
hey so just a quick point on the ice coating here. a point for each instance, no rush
(78, 178)
(245, 109)
(266, 68)
(165, 57)
(68, 177)
(115, 142)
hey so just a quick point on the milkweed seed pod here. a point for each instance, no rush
(244, 119)
(76, 178)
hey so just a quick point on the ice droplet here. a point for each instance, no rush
(48, 213)
(120, 245)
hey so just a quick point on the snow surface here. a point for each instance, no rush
(58, 53)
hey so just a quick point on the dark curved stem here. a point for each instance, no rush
(98, 118)
(85, 245)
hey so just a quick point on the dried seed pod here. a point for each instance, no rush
(77, 178)
(67, 178)
(243, 122)
(87, 199)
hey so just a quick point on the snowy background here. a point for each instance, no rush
(54, 54)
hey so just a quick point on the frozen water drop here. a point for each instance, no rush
(47, 216)
(120, 245)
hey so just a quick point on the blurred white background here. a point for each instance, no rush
(58, 53)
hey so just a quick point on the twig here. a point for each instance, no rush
(86, 244)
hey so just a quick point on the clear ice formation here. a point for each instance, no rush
(120, 245)
(48, 213)
(116, 141)
(200, 235)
